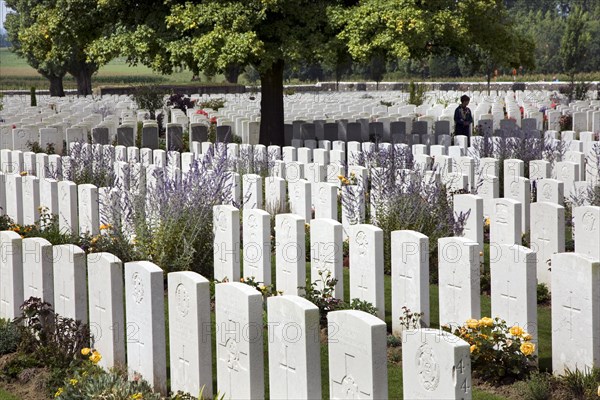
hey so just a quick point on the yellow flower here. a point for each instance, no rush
(105, 226)
(85, 351)
(472, 323)
(486, 321)
(473, 348)
(95, 357)
(341, 177)
(516, 330)
(527, 336)
(58, 392)
(487, 222)
(73, 382)
(527, 348)
(242, 280)
(481, 254)
(23, 173)
(137, 396)
(262, 288)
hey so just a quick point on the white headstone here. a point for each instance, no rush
(366, 266)
(11, 274)
(436, 365)
(275, 195)
(252, 191)
(31, 200)
(459, 278)
(70, 287)
(410, 276)
(38, 273)
(326, 254)
(300, 198)
(226, 228)
(357, 356)
(587, 230)
(550, 190)
(68, 218)
(257, 245)
(547, 236)
(290, 253)
(326, 200)
(240, 352)
(294, 348)
(145, 318)
(514, 286)
(14, 197)
(89, 217)
(505, 224)
(575, 309)
(190, 343)
(106, 308)
(472, 206)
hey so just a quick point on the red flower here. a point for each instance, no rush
(14, 126)
(213, 120)
(202, 112)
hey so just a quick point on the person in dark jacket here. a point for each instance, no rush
(463, 118)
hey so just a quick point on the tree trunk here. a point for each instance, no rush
(56, 86)
(271, 105)
(83, 75)
(232, 72)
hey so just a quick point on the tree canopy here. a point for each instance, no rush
(53, 36)
(211, 35)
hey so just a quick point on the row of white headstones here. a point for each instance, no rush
(91, 290)
(502, 213)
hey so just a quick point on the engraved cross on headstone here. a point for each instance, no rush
(184, 363)
(64, 297)
(287, 366)
(571, 309)
(455, 289)
(98, 306)
(363, 285)
(347, 385)
(508, 297)
(232, 356)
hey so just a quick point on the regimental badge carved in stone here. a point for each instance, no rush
(589, 222)
(138, 288)
(428, 369)
(502, 213)
(546, 191)
(362, 242)
(183, 300)
(222, 221)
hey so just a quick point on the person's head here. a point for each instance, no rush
(464, 100)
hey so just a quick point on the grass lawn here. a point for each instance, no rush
(4, 395)
(15, 73)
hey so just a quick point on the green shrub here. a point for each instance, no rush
(149, 97)
(543, 294)
(581, 384)
(9, 336)
(416, 93)
(320, 293)
(537, 387)
(499, 354)
(95, 383)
